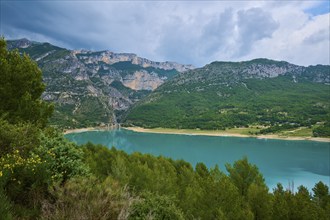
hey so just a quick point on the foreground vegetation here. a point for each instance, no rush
(55, 179)
(44, 176)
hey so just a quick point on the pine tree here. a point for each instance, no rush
(21, 87)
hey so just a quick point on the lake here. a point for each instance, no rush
(301, 162)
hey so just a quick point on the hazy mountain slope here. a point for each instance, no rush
(228, 94)
(92, 88)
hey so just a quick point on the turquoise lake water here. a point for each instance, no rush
(301, 162)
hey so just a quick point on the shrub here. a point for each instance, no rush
(24, 181)
(88, 198)
(154, 206)
(64, 158)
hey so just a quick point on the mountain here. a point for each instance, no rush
(274, 95)
(92, 88)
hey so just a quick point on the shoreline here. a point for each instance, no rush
(79, 130)
(223, 134)
(199, 132)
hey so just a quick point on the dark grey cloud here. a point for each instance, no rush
(218, 33)
(320, 36)
(232, 33)
(196, 32)
(79, 25)
(253, 25)
(48, 19)
(176, 40)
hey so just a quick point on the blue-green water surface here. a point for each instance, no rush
(301, 162)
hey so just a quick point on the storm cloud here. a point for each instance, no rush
(190, 32)
(253, 25)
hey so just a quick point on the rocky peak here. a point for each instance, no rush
(21, 43)
(218, 73)
(109, 57)
(265, 68)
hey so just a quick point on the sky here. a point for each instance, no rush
(187, 32)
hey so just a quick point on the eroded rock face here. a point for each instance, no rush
(142, 80)
(109, 57)
(22, 43)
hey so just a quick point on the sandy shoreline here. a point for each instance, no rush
(223, 134)
(79, 130)
(200, 132)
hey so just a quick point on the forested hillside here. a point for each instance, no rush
(270, 94)
(44, 176)
(93, 88)
(104, 88)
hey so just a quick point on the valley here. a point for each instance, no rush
(104, 89)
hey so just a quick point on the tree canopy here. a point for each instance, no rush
(21, 87)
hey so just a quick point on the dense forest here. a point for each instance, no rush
(44, 176)
(224, 95)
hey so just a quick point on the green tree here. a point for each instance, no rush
(20, 89)
(243, 174)
(303, 207)
(100, 160)
(281, 209)
(153, 206)
(201, 170)
(321, 194)
(259, 201)
(226, 198)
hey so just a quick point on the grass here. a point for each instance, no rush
(299, 132)
(244, 131)
(238, 131)
(302, 133)
(241, 131)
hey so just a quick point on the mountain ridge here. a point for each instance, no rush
(275, 95)
(106, 54)
(91, 88)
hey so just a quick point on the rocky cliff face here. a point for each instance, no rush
(22, 43)
(93, 88)
(142, 80)
(111, 58)
(235, 72)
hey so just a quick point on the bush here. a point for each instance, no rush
(64, 158)
(322, 130)
(88, 198)
(24, 180)
(34, 164)
(5, 207)
(22, 137)
(154, 206)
